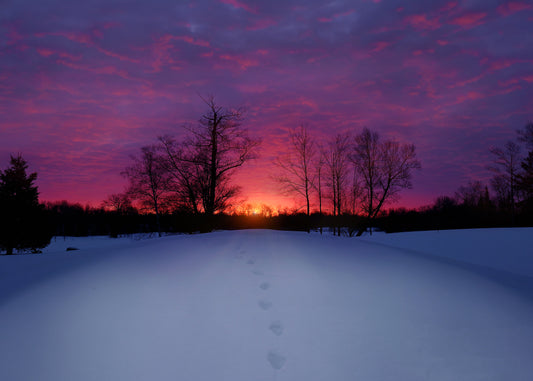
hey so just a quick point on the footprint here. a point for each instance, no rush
(276, 360)
(276, 327)
(264, 286)
(265, 305)
(258, 272)
(250, 261)
(242, 252)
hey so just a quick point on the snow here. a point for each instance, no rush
(270, 305)
(508, 249)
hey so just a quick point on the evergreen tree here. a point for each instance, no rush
(22, 219)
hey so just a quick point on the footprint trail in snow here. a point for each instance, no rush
(276, 327)
(274, 357)
(265, 304)
(276, 360)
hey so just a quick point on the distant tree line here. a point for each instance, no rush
(74, 219)
(344, 180)
(343, 183)
(506, 200)
(358, 173)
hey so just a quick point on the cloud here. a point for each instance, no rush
(239, 5)
(379, 46)
(528, 78)
(469, 20)
(45, 52)
(262, 24)
(471, 95)
(193, 41)
(87, 39)
(423, 22)
(512, 7)
(242, 62)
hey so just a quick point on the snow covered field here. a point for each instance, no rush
(268, 305)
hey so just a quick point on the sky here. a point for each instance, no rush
(84, 85)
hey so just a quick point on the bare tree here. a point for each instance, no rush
(367, 162)
(385, 168)
(356, 191)
(297, 175)
(118, 202)
(525, 178)
(475, 193)
(506, 172)
(337, 163)
(148, 182)
(525, 181)
(218, 146)
(185, 176)
(525, 135)
(318, 183)
(336, 160)
(319, 179)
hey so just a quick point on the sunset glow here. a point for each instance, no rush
(83, 85)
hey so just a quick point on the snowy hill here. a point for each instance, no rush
(264, 305)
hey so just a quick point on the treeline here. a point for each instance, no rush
(505, 201)
(70, 219)
(350, 174)
(449, 213)
(344, 184)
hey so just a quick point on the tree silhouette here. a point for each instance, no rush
(185, 176)
(119, 203)
(320, 162)
(525, 135)
(22, 219)
(337, 164)
(297, 176)
(219, 145)
(384, 168)
(473, 194)
(525, 181)
(525, 178)
(336, 158)
(506, 172)
(148, 182)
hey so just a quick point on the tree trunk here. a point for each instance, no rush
(9, 251)
(157, 220)
(320, 199)
(210, 210)
(308, 217)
